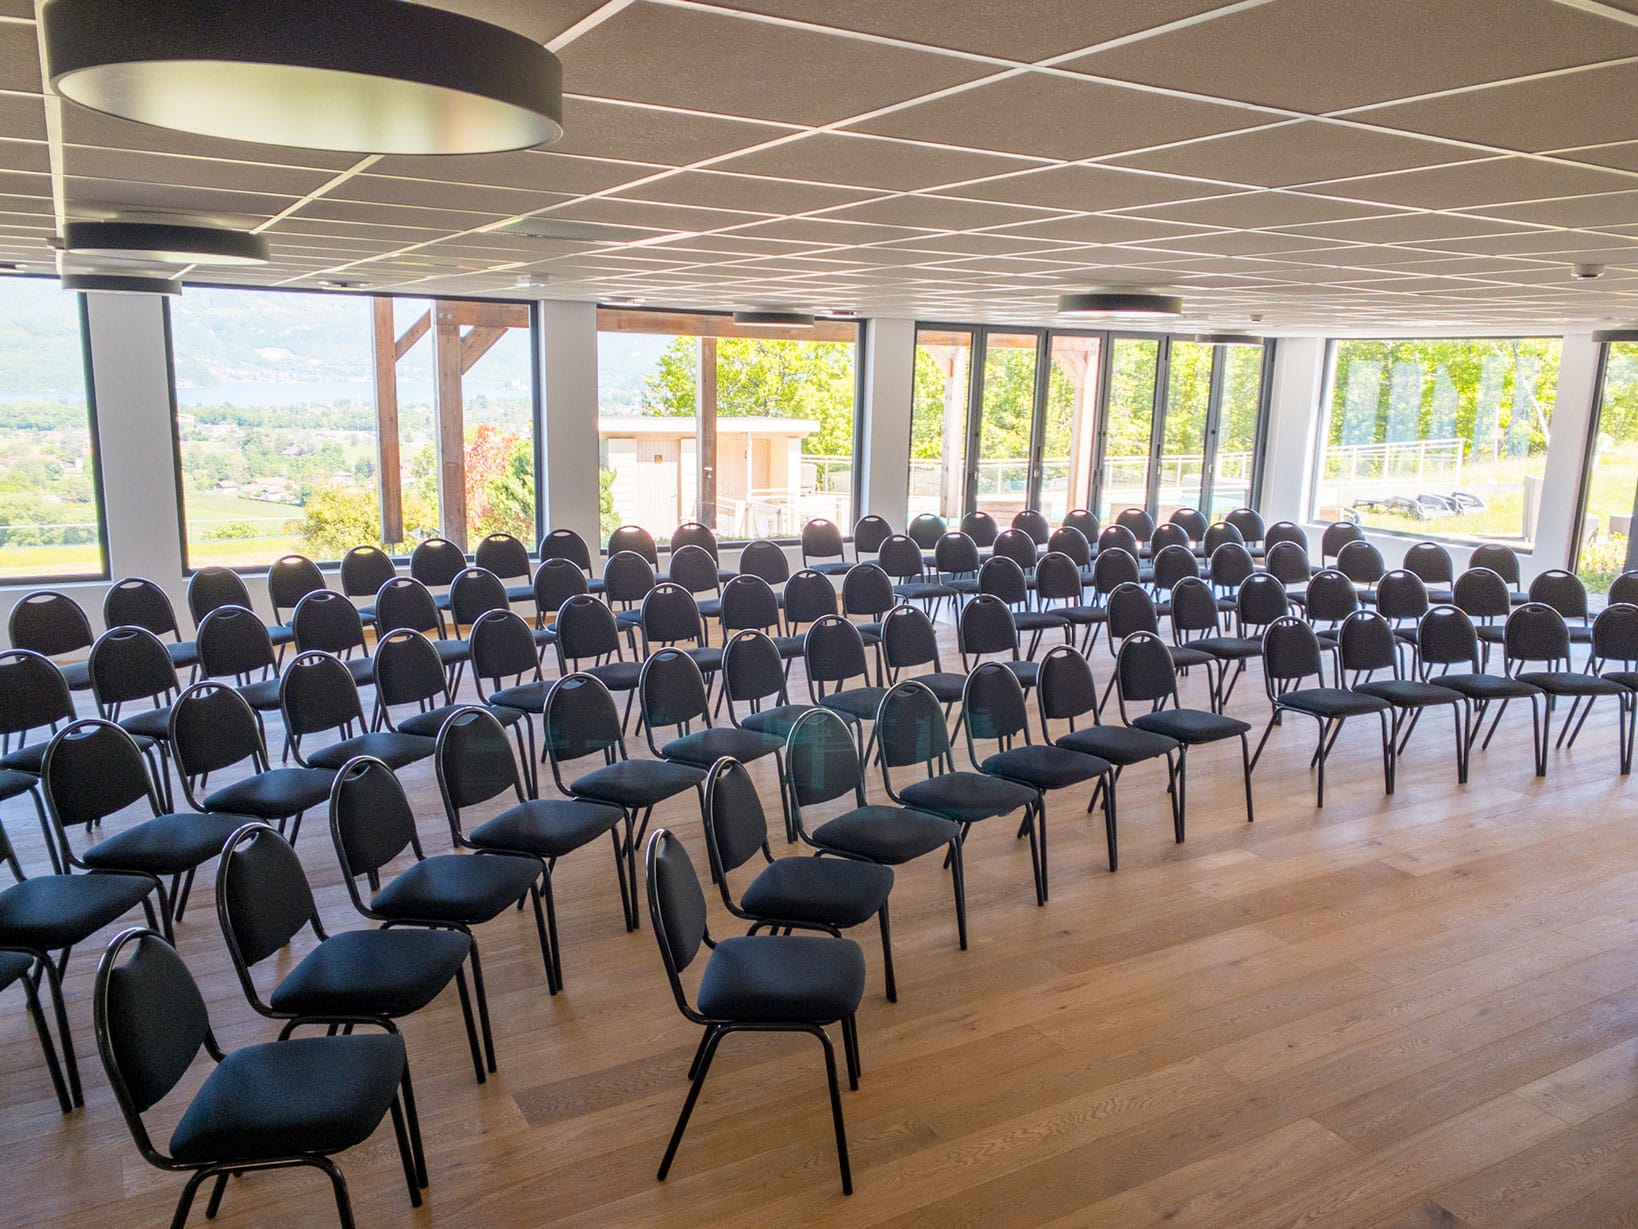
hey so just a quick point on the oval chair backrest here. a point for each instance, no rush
(316, 693)
(1624, 589)
(834, 651)
(821, 539)
(150, 1019)
(408, 669)
(749, 602)
(1260, 600)
(1144, 673)
(1331, 597)
(981, 527)
(500, 645)
(233, 642)
(1068, 540)
(290, 579)
(809, 596)
(326, 620)
(404, 603)
(473, 593)
(956, 554)
(1065, 687)
(1141, 524)
(1170, 534)
(1083, 520)
(1230, 565)
(1192, 520)
(1289, 561)
(986, 625)
(736, 827)
(868, 590)
(1291, 653)
(1058, 578)
(671, 615)
(926, 529)
(566, 544)
(1249, 523)
(821, 761)
(694, 568)
(1003, 578)
(1118, 537)
(1220, 533)
(1561, 590)
(1113, 567)
(1337, 535)
(1535, 632)
(212, 588)
(910, 727)
(908, 638)
(580, 718)
(992, 704)
(364, 569)
(1132, 610)
(1615, 633)
(1034, 524)
(436, 561)
(92, 769)
(263, 899)
(766, 560)
(1502, 560)
(869, 534)
(637, 540)
(1431, 562)
(1018, 546)
(1280, 531)
(1483, 594)
(675, 903)
(474, 760)
(671, 690)
(693, 533)
(627, 578)
(1172, 564)
(1445, 637)
(130, 663)
(1361, 563)
(211, 728)
(1194, 606)
(503, 555)
(371, 821)
(1400, 594)
(556, 581)
(49, 623)
(1366, 642)
(135, 602)
(900, 557)
(752, 668)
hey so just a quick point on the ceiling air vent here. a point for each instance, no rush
(549, 229)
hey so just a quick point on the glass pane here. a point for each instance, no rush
(1183, 449)
(48, 497)
(1237, 430)
(1066, 445)
(646, 389)
(1612, 479)
(1440, 437)
(938, 424)
(498, 396)
(1125, 476)
(1008, 415)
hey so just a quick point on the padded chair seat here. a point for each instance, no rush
(967, 797)
(281, 634)
(1627, 678)
(529, 697)
(1490, 633)
(520, 593)
(709, 660)
(870, 633)
(1580, 633)
(782, 978)
(777, 720)
(1080, 616)
(859, 703)
(460, 888)
(1331, 702)
(427, 724)
(372, 973)
(615, 675)
(14, 784)
(1045, 766)
(889, 835)
(945, 686)
(1119, 744)
(1486, 687)
(166, 844)
(306, 1095)
(393, 748)
(366, 614)
(790, 647)
(49, 912)
(362, 669)
(923, 591)
(594, 584)
(1039, 620)
(30, 758)
(154, 723)
(1571, 683)
(1227, 648)
(546, 827)
(184, 653)
(703, 748)
(1191, 726)
(710, 608)
(1186, 656)
(834, 890)
(544, 637)
(1438, 597)
(1410, 693)
(636, 783)
(831, 567)
(1027, 671)
(14, 964)
(263, 696)
(452, 652)
(274, 794)
(77, 674)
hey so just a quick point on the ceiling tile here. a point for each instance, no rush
(825, 230)
(936, 213)
(1244, 243)
(1622, 155)
(1609, 209)
(1058, 117)
(1102, 228)
(652, 216)
(1406, 228)
(541, 20)
(89, 198)
(747, 192)
(464, 197)
(1086, 189)
(608, 129)
(119, 164)
(394, 216)
(1267, 209)
(851, 158)
(545, 172)
(1470, 185)
(85, 127)
(1357, 52)
(19, 58)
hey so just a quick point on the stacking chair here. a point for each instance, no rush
(911, 734)
(1192, 521)
(981, 527)
(869, 532)
(129, 665)
(809, 596)
(1067, 691)
(568, 545)
(580, 721)
(1402, 599)
(1366, 645)
(1565, 593)
(1118, 536)
(867, 590)
(1141, 525)
(834, 654)
(504, 556)
(279, 1105)
(1280, 531)
(1250, 525)
(1485, 598)
(213, 728)
(1329, 599)
(1615, 657)
(1220, 533)
(827, 894)
(627, 579)
(1170, 533)
(752, 983)
(135, 602)
(473, 593)
(503, 649)
(701, 537)
(1031, 521)
(1197, 625)
(1173, 562)
(1228, 566)
(901, 558)
(824, 765)
(1132, 612)
(766, 560)
(317, 695)
(1067, 540)
(1291, 654)
(1431, 563)
(235, 644)
(1337, 535)
(695, 570)
(364, 569)
(408, 671)
(93, 771)
(636, 539)
(673, 696)
(1363, 564)
(993, 710)
(1504, 562)
(354, 977)
(754, 671)
(33, 697)
(823, 549)
(1623, 590)
(1288, 563)
(986, 627)
(556, 581)
(28, 969)
(405, 604)
(750, 604)
(289, 579)
(1144, 675)
(1448, 653)
(212, 588)
(1002, 578)
(588, 642)
(909, 639)
(925, 531)
(52, 625)
(670, 618)
(1536, 635)
(436, 562)
(326, 622)
(1083, 520)
(1059, 578)
(1018, 546)
(371, 824)
(956, 559)
(475, 766)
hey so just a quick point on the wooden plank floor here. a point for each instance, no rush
(1410, 1011)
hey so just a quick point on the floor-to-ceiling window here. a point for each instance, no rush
(938, 423)
(1182, 472)
(1239, 426)
(1067, 433)
(1006, 424)
(1610, 503)
(1128, 420)
(50, 512)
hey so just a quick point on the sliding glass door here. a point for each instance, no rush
(1067, 434)
(1006, 425)
(1128, 426)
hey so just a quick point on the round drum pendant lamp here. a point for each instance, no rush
(173, 243)
(119, 283)
(360, 76)
(1119, 303)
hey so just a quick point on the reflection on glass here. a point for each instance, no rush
(1183, 448)
(1008, 414)
(1066, 445)
(938, 423)
(1125, 477)
(1237, 429)
(1612, 479)
(1440, 437)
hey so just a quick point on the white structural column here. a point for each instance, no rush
(1556, 528)
(1294, 414)
(889, 377)
(568, 426)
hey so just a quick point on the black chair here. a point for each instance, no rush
(1615, 657)
(750, 604)
(1001, 577)
(981, 527)
(957, 561)
(628, 578)
(1112, 567)
(868, 591)
(408, 671)
(506, 670)
(556, 581)
(986, 626)
(669, 617)
(823, 549)
(1068, 691)
(1059, 578)
(1279, 531)
(326, 622)
(1250, 525)
(1366, 645)
(52, 625)
(473, 593)
(901, 558)
(93, 771)
(695, 570)
(1067, 540)
(824, 765)
(1170, 533)
(752, 983)
(1140, 523)
(1291, 654)
(925, 531)
(364, 569)
(135, 602)
(1191, 520)
(580, 721)
(355, 977)
(289, 579)
(212, 588)
(1565, 593)
(636, 539)
(1431, 563)
(436, 562)
(588, 642)
(1536, 634)
(1337, 535)
(1032, 522)
(1504, 562)
(1288, 563)
(1132, 612)
(274, 1106)
(1446, 639)
(673, 696)
(1144, 675)
(371, 824)
(908, 640)
(1485, 598)
(235, 644)
(869, 532)
(1363, 564)
(475, 766)
(317, 695)
(828, 894)
(1219, 534)
(505, 556)
(993, 709)
(568, 545)
(33, 697)
(130, 665)
(1228, 566)
(30, 968)
(834, 654)
(405, 604)
(1083, 520)
(911, 734)
(809, 596)
(1402, 599)
(766, 560)
(703, 537)
(1197, 625)
(1018, 546)
(213, 728)
(1623, 590)
(1173, 562)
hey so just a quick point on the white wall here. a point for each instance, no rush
(889, 380)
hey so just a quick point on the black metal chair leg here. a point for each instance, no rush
(1388, 745)
(1034, 856)
(836, 1109)
(216, 1193)
(184, 1202)
(548, 943)
(483, 1009)
(958, 880)
(712, 1038)
(699, 1054)
(404, 1156)
(887, 953)
(471, 1026)
(1180, 815)
(38, 1017)
(1040, 823)
(1245, 761)
(344, 1204)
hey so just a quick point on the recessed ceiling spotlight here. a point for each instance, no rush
(1119, 303)
(367, 76)
(1585, 272)
(122, 283)
(762, 318)
(340, 283)
(174, 243)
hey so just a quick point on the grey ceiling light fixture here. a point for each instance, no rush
(768, 319)
(122, 283)
(360, 76)
(1228, 339)
(1605, 336)
(1119, 303)
(170, 242)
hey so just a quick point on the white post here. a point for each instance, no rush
(1294, 416)
(889, 358)
(568, 418)
(1556, 528)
